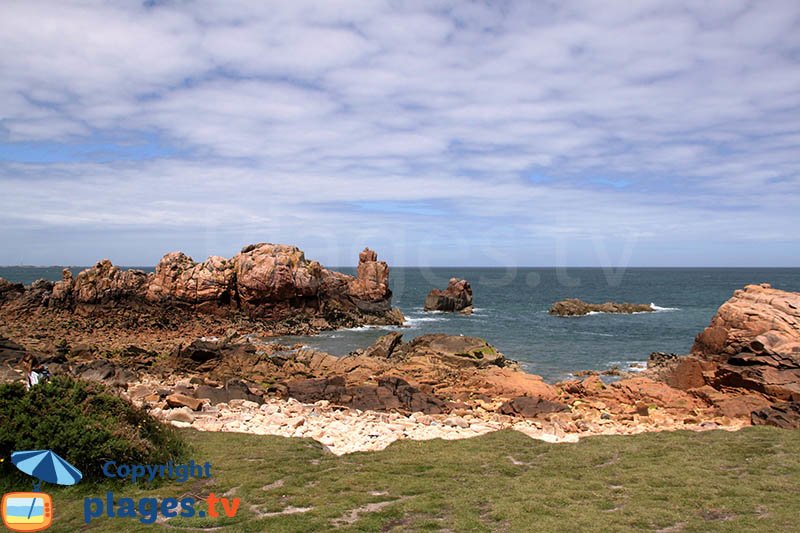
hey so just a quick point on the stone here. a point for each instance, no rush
(456, 350)
(385, 345)
(9, 290)
(389, 394)
(456, 297)
(531, 407)
(783, 415)
(686, 372)
(181, 400)
(106, 371)
(576, 307)
(181, 414)
(233, 390)
(11, 353)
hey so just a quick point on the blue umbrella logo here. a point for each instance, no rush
(46, 465)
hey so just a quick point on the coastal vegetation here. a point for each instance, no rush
(84, 423)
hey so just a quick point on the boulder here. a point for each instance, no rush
(180, 414)
(389, 394)
(576, 307)
(199, 356)
(106, 371)
(456, 297)
(11, 353)
(385, 345)
(182, 400)
(270, 276)
(784, 415)
(179, 278)
(531, 407)
(233, 390)
(454, 350)
(10, 291)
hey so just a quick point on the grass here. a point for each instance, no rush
(503, 481)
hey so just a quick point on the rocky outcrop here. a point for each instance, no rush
(179, 279)
(265, 283)
(752, 343)
(445, 367)
(785, 415)
(389, 394)
(371, 285)
(106, 285)
(576, 307)
(10, 291)
(456, 297)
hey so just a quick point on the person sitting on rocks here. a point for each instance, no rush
(35, 372)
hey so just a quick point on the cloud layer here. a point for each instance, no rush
(502, 133)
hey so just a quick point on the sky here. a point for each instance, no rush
(557, 133)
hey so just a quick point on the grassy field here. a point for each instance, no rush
(504, 481)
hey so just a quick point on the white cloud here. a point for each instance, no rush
(515, 121)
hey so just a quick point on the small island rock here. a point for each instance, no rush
(456, 297)
(576, 307)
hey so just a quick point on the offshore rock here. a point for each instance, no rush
(456, 297)
(576, 307)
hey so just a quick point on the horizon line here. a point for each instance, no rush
(498, 267)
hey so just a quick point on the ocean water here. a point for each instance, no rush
(511, 311)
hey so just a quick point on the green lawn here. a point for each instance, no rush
(504, 481)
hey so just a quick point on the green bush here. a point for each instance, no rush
(85, 424)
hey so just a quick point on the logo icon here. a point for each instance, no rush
(27, 511)
(33, 511)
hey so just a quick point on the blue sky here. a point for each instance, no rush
(439, 133)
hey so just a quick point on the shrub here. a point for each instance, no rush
(84, 423)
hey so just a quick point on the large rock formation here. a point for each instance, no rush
(179, 278)
(269, 283)
(576, 307)
(753, 343)
(456, 297)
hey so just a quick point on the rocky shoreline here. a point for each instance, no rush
(218, 369)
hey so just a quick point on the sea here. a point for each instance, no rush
(511, 311)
